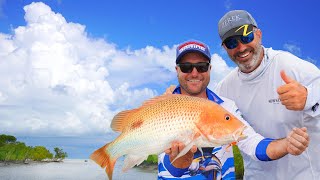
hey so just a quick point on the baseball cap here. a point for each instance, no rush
(192, 46)
(236, 22)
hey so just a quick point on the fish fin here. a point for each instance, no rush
(188, 146)
(132, 160)
(203, 129)
(103, 158)
(158, 99)
(184, 151)
(120, 120)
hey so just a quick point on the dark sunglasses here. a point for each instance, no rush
(232, 42)
(188, 67)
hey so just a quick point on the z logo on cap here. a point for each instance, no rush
(245, 28)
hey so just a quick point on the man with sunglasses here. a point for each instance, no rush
(193, 69)
(276, 91)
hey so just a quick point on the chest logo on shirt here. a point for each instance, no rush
(274, 101)
(315, 107)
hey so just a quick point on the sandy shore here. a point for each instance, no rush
(14, 163)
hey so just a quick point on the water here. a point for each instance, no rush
(70, 169)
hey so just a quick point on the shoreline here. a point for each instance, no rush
(27, 162)
(145, 167)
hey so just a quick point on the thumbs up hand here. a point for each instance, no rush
(292, 94)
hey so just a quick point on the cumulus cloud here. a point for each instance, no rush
(219, 70)
(228, 4)
(57, 81)
(293, 48)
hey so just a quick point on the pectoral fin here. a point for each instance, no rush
(132, 160)
(187, 147)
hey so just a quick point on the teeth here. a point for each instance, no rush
(194, 80)
(244, 55)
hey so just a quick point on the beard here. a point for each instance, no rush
(251, 64)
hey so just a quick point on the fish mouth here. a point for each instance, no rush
(238, 134)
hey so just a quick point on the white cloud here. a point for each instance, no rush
(55, 80)
(219, 70)
(313, 61)
(228, 4)
(293, 48)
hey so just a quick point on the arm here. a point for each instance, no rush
(266, 149)
(295, 143)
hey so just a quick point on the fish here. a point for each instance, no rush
(152, 127)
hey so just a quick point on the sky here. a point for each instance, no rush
(67, 67)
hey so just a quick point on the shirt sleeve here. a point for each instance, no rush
(312, 83)
(166, 169)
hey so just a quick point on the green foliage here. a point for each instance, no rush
(152, 159)
(12, 150)
(59, 153)
(4, 139)
(238, 162)
(39, 153)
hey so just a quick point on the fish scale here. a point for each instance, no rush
(151, 128)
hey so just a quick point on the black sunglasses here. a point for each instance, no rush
(232, 42)
(188, 67)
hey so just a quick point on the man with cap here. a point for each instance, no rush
(193, 70)
(276, 91)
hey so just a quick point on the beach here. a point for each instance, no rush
(71, 169)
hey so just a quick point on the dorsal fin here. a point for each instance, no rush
(158, 99)
(120, 120)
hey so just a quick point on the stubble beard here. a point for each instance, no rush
(253, 63)
(191, 91)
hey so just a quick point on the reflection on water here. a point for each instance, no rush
(70, 169)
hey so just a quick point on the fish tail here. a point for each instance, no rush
(103, 158)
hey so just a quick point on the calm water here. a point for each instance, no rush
(70, 169)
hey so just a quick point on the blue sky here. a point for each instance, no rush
(67, 67)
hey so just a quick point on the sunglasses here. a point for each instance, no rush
(188, 67)
(232, 42)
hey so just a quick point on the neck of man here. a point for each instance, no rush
(202, 94)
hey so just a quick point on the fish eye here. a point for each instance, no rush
(227, 117)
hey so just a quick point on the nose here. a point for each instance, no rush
(241, 47)
(194, 71)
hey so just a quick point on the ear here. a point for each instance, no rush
(259, 33)
(224, 46)
(177, 68)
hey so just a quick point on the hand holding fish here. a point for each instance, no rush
(298, 141)
(292, 94)
(183, 161)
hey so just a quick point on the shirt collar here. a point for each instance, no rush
(211, 95)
